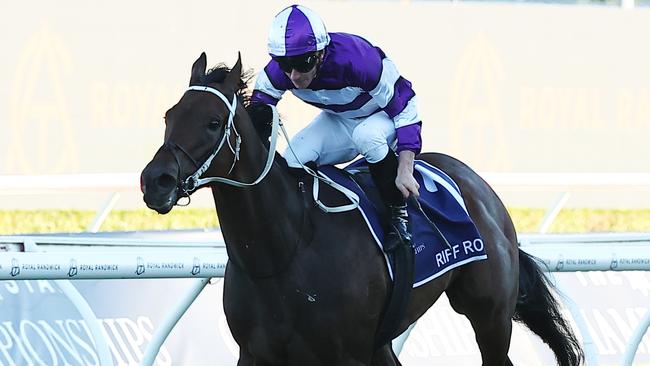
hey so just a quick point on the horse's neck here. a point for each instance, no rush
(261, 224)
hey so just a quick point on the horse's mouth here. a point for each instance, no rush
(161, 205)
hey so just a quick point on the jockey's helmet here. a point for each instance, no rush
(297, 30)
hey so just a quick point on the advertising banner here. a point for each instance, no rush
(39, 325)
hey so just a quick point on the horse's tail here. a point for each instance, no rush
(538, 309)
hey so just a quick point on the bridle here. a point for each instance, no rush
(194, 181)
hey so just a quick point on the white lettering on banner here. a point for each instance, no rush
(611, 344)
(133, 337)
(419, 248)
(610, 330)
(69, 342)
(478, 244)
(5, 345)
(638, 281)
(11, 337)
(42, 338)
(75, 335)
(625, 326)
(12, 286)
(60, 340)
(469, 247)
(120, 342)
(588, 279)
(442, 333)
(42, 286)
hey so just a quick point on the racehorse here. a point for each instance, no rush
(305, 287)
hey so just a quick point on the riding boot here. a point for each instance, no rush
(383, 174)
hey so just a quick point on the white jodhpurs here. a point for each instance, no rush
(332, 139)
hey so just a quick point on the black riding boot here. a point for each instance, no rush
(383, 174)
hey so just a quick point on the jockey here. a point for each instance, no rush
(367, 107)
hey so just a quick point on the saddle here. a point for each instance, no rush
(444, 236)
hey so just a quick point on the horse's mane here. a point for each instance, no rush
(218, 73)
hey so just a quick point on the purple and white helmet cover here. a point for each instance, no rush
(297, 30)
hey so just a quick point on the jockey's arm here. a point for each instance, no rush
(395, 95)
(405, 181)
(409, 144)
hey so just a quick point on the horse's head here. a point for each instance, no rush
(200, 137)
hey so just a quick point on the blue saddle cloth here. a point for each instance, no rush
(441, 202)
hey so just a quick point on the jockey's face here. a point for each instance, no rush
(301, 69)
(302, 80)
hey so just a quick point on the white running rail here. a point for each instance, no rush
(95, 257)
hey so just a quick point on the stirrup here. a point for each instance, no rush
(398, 233)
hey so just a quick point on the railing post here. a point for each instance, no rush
(101, 215)
(553, 212)
(170, 321)
(633, 344)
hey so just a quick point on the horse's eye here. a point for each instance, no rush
(214, 124)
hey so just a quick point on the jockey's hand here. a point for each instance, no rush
(405, 181)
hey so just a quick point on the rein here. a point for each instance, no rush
(194, 181)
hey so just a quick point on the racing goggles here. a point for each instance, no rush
(301, 63)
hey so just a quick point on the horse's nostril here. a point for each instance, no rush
(166, 182)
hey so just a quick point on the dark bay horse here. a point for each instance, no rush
(307, 288)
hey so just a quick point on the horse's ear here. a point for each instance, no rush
(234, 76)
(198, 70)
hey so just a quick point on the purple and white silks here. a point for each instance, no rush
(355, 80)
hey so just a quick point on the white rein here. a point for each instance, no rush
(195, 181)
